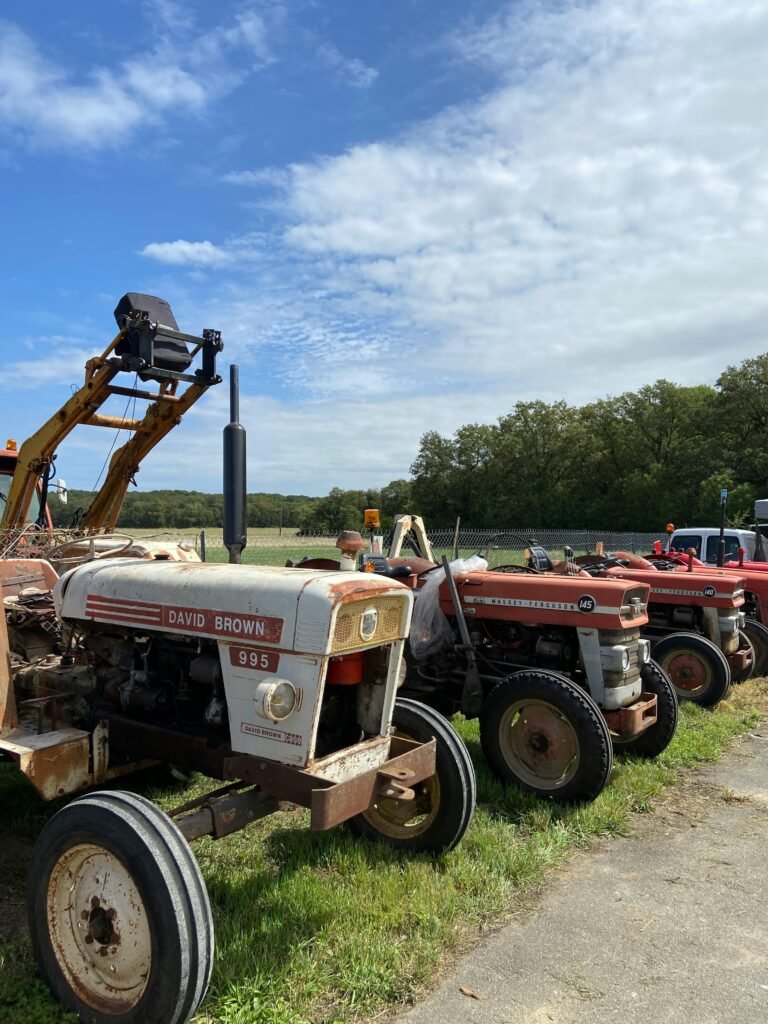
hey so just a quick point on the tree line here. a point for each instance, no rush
(631, 462)
(189, 509)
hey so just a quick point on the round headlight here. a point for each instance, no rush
(625, 660)
(368, 623)
(275, 699)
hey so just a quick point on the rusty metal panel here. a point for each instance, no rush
(739, 660)
(631, 721)
(333, 805)
(56, 762)
(282, 781)
(8, 717)
(16, 574)
(221, 815)
(343, 764)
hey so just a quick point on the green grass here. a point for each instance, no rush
(324, 928)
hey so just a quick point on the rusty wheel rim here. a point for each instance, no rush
(688, 672)
(539, 744)
(99, 929)
(406, 819)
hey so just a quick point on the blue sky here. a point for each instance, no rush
(402, 216)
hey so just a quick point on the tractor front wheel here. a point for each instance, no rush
(698, 670)
(119, 917)
(439, 815)
(658, 737)
(543, 733)
(758, 635)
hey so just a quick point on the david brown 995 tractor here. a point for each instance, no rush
(279, 683)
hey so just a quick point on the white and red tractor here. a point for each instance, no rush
(279, 683)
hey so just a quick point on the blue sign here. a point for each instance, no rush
(723, 494)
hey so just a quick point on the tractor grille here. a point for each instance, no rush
(629, 638)
(347, 634)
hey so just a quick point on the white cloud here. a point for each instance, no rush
(349, 70)
(181, 253)
(184, 72)
(302, 447)
(275, 177)
(163, 86)
(57, 359)
(170, 14)
(596, 220)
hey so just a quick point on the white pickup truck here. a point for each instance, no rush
(705, 540)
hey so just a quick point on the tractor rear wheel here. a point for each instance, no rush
(543, 733)
(758, 636)
(438, 817)
(698, 670)
(651, 742)
(119, 916)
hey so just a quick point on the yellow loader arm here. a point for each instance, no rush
(150, 345)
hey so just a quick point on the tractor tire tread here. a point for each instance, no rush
(136, 830)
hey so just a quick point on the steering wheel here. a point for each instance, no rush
(117, 543)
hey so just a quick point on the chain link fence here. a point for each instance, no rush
(497, 546)
(277, 547)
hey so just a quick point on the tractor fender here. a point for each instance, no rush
(635, 561)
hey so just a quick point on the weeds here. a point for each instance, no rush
(322, 928)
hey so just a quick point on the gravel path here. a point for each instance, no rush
(668, 926)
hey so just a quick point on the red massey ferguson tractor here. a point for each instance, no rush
(554, 668)
(755, 583)
(695, 622)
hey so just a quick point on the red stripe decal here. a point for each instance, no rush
(111, 602)
(120, 617)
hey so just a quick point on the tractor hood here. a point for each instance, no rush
(555, 600)
(704, 589)
(303, 610)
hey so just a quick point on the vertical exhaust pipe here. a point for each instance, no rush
(235, 530)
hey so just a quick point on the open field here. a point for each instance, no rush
(324, 928)
(266, 546)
